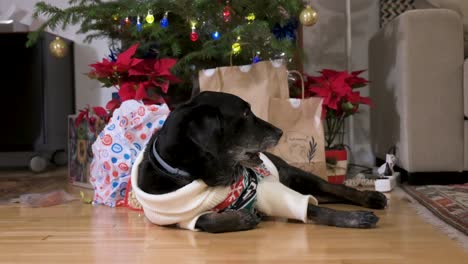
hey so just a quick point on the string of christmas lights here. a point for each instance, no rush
(308, 17)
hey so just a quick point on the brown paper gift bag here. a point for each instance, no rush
(265, 86)
(302, 144)
(255, 83)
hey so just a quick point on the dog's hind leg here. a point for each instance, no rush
(228, 221)
(307, 183)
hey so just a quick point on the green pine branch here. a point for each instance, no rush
(103, 20)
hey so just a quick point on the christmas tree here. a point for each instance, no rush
(198, 33)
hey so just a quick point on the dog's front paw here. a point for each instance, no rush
(364, 219)
(355, 219)
(248, 219)
(374, 200)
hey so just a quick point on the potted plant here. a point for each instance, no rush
(144, 79)
(340, 100)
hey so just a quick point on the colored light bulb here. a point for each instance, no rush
(250, 17)
(139, 26)
(149, 17)
(215, 35)
(194, 36)
(256, 59)
(227, 13)
(236, 47)
(164, 21)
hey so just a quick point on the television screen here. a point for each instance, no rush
(21, 91)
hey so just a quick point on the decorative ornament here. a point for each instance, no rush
(257, 58)
(194, 34)
(308, 16)
(287, 31)
(149, 17)
(236, 47)
(58, 47)
(164, 21)
(227, 12)
(139, 26)
(127, 21)
(115, 17)
(215, 35)
(250, 17)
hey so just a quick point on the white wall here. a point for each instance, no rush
(325, 48)
(86, 91)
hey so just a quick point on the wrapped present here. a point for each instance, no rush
(131, 201)
(117, 147)
(81, 136)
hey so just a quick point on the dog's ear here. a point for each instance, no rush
(204, 128)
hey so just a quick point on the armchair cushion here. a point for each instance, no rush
(459, 6)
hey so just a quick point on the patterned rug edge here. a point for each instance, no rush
(430, 218)
(432, 207)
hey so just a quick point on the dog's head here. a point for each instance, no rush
(214, 135)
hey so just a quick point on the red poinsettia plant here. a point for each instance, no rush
(135, 78)
(95, 117)
(340, 100)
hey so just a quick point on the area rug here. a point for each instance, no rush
(14, 183)
(449, 203)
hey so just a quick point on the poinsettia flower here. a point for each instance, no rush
(156, 70)
(339, 99)
(163, 67)
(84, 114)
(355, 81)
(141, 92)
(163, 84)
(335, 87)
(108, 69)
(135, 78)
(125, 59)
(127, 91)
(102, 69)
(112, 105)
(356, 98)
(331, 90)
(143, 68)
(100, 111)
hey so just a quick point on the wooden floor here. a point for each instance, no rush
(81, 233)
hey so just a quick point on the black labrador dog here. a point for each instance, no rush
(213, 137)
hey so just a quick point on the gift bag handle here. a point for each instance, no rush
(302, 81)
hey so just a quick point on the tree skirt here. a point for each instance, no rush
(449, 203)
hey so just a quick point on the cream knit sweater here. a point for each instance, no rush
(185, 205)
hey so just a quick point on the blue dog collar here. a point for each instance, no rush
(166, 166)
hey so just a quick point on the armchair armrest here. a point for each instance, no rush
(416, 73)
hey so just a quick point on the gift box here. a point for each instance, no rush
(81, 136)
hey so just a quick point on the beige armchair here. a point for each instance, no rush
(417, 70)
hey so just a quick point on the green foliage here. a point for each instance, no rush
(99, 19)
